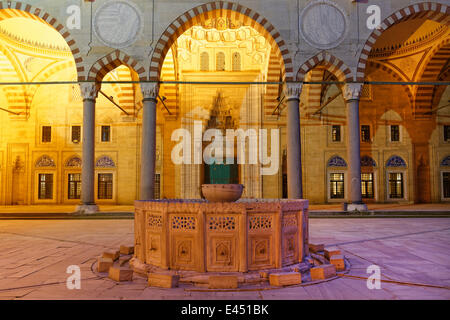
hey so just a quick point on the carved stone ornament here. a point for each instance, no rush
(352, 91)
(323, 24)
(45, 161)
(117, 24)
(292, 90)
(89, 91)
(150, 90)
(445, 162)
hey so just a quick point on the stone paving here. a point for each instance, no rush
(34, 256)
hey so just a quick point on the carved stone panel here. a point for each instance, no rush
(185, 250)
(289, 246)
(222, 236)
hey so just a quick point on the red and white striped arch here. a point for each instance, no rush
(330, 62)
(14, 9)
(210, 10)
(424, 10)
(111, 61)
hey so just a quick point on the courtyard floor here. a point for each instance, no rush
(35, 254)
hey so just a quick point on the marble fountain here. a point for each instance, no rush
(224, 243)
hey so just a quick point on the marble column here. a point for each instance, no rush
(148, 138)
(294, 150)
(352, 93)
(89, 92)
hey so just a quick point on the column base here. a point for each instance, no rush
(351, 207)
(87, 209)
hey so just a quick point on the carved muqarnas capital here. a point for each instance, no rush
(292, 90)
(89, 91)
(149, 90)
(352, 91)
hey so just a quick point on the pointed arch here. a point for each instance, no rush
(227, 9)
(111, 61)
(20, 9)
(330, 62)
(430, 10)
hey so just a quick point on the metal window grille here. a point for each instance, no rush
(105, 186)
(337, 186)
(45, 186)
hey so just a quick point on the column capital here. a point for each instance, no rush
(352, 91)
(292, 90)
(150, 90)
(89, 90)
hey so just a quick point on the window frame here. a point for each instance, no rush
(332, 133)
(444, 132)
(329, 188)
(374, 193)
(77, 183)
(370, 133)
(43, 127)
(52, 190)
(404, 181)
(72, 133)
(98, 186)
(109, 133)
(443, 198)
(399, 133)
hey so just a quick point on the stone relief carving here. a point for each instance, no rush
(74, 162)
(292, 90)
(89, 90)
(45, 161)
(352, 91)
(18, 165)
(117, 24)
(323, 24)
(105, 162)
(150, 90)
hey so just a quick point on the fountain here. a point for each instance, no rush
(205, 236)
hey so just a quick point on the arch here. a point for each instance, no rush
(433, 67)
(336, 162)
(105, 162)
(204, 61)
(445, 162)
(45, 161)
(396, 75)
(29, 11)
(330, 62)
(396, 162)
(111, 61)
(368, 161)
(206, 11)
(430, 10)
(236, 62)
(220, 61)
(73, 162)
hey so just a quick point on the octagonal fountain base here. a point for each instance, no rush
(199, 236)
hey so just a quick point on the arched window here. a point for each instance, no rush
(236, 61)
(367, 161)
(45, 161)
(220, 61)
(445, 162)
(204, 61)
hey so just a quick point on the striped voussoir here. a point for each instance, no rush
(211, 10)
(424, 10)
(329, 62)
(19, 9)
(425, 94)
(273, 91)
(110, 62)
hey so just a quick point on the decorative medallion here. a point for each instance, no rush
(45, 161)
(445, 162)
(105, 162)
(396, 162)
(367, 161)
(337, 161)
(117, 24)
(323, 24)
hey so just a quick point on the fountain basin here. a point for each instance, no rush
(222, 192)
(201, 236)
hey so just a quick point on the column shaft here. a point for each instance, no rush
(148, 150)
(294, 150)
(353, 152)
